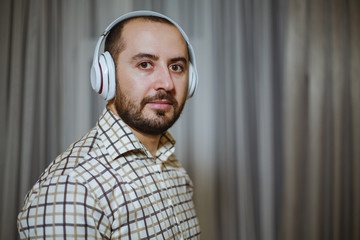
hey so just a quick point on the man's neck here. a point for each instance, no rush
(151, 142)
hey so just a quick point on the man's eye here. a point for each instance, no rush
(176, 68)
(145, 65)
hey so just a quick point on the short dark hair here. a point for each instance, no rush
(113, 42)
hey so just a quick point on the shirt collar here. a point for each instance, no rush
(119, 139)
(166, 147)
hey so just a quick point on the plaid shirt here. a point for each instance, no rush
(108, 186)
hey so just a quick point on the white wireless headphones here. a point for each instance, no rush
(102, 75)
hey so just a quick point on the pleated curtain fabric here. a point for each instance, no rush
(321, 190)
(30, 100)
(270, 139)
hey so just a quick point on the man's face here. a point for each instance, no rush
(152, 76)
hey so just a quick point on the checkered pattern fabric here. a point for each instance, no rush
(108, 186)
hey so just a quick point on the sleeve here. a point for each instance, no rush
(61, 207)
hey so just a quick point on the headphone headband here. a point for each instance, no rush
(103, 69)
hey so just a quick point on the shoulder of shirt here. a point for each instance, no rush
(83, 150)
(74, 155)
(90, 153)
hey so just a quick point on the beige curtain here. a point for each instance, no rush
(322, 137)
(30, 100)
(271, 138)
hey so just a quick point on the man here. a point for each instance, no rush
(122, 180)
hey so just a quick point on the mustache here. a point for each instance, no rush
(161, 95)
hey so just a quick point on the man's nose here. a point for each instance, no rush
(164, 79)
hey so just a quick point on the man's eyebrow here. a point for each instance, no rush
(145, 55)
(178, 59)
(154, 58)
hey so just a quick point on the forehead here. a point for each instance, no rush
(146, 22)
(142, 32)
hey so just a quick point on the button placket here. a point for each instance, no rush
(168, 197)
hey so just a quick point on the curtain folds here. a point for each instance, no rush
(30, 88)
(321, 160)
(271, 138)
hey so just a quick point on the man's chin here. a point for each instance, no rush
(165, 114)
(160, 120)
(153, 127)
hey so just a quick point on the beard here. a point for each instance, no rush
(132, 113)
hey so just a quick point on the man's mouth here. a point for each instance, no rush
(161, 101)
(160, 104)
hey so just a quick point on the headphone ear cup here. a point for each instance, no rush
(193, 81)
(104, 71)
(111, 76)
(95, 77)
